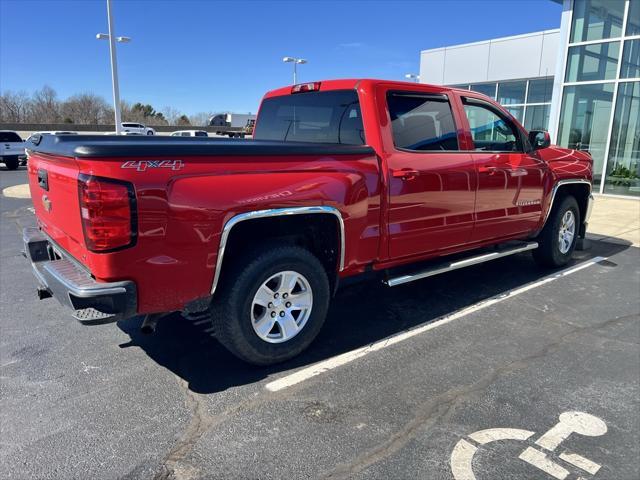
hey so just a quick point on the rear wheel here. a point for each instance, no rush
(272, 305)
(557, 240)
(11, 163)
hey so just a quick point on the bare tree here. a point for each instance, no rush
(14, 107)
(200, 119)
(171, 115)
(43, 106)
(46, 108)
(85, 108)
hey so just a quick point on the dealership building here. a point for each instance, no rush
(581, 82)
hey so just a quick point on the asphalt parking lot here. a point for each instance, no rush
(498, 371)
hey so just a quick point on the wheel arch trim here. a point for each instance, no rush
(557, 187)
(275, 212)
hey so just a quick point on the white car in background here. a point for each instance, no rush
(11, 149)
(138, 128)
(190, 133)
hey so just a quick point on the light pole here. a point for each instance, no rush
(296, 62)
(114, 65)
(412, 76)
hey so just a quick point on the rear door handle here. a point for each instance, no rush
(405, 173)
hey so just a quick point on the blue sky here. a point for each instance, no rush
(216, 56)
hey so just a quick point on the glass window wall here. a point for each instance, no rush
(540, 91)
(488, 89)
(623, 165)
(529, 101)
(600, 109)
(633, 19)
(510, 93)
(631, 59)
(537, 117)
(584, 121)
(596, 20)
(517, 112)
(592, 62)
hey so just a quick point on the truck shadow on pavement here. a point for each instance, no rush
(360, 315)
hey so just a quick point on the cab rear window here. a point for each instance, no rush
(318, 117)
(9, 137)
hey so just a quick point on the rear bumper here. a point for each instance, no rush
(61, 277)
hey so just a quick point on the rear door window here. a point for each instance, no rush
(422, 122)
(9, 137)
(318, 117)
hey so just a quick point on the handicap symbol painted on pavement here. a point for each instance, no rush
(569, 422)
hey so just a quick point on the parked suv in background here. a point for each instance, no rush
(11, 149)
(137, 128)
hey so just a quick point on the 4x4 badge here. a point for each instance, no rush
(142, 165)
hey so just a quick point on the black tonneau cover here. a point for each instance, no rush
(146, 146)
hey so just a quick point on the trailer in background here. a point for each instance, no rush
(233, 124)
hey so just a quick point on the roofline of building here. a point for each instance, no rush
(493, 40)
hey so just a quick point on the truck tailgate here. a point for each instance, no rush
(53, 181)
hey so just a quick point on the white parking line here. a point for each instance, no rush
(342, 359)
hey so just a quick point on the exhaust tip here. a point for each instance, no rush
(43, 293)
(149, 323)
(148, 329)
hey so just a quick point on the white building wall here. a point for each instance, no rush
(509, 58)
(561, 60)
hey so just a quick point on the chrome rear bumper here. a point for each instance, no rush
(63, 278)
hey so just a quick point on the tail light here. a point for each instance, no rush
(108, 212)
(306, 87)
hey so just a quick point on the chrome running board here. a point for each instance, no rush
(442, 267)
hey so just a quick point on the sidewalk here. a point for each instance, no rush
(615, 220)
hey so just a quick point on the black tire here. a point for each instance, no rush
(548, 253)
(149, 132)
(231, 309)
(11, 163)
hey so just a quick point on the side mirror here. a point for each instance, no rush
(539, 139)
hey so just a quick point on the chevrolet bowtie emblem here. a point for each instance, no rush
(46, 203)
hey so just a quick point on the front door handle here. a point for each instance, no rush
(490, 169)
(405, 173)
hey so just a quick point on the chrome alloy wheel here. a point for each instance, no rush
(567, 231)
(281, 307)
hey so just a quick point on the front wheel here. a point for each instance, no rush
(272, 305)
(149, 132)
(557, 241)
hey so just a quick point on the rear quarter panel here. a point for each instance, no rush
(181, 215)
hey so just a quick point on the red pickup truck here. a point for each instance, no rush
(342, 178)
